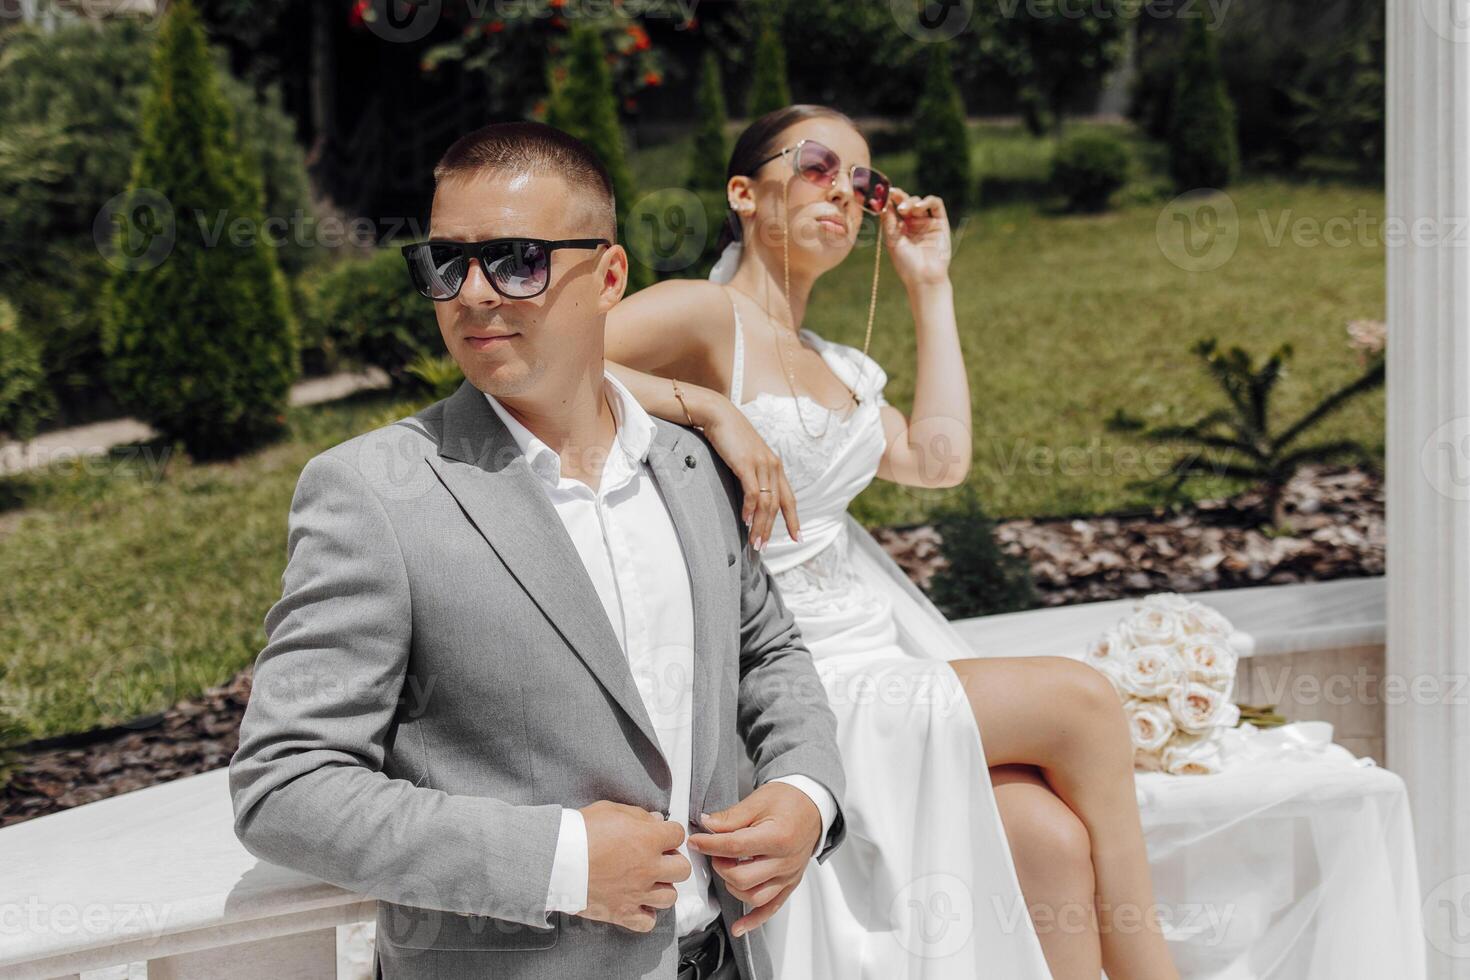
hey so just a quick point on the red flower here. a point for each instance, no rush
(359, 10)
(653, 78)
(641, 44)
(557, 4)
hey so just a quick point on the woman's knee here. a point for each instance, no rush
(1048, 841)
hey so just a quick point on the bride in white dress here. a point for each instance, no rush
(992, 820)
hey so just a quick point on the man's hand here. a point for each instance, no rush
(633, 860)
(760, 847)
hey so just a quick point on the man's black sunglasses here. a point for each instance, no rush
(517, 268)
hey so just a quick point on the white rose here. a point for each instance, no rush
(1150, 722)
(1230, 716)
(1167, 601)
(1150, 672)
(1151, 626)
(1109, 646)
(1146, 761)
(1195, 707)
(1209, 662)
(1199, 619)
(1193, 755)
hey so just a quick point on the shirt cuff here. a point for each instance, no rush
(567, 891)
(821, 796)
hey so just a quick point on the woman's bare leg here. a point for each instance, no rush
(1053, 856)
(1063, 717)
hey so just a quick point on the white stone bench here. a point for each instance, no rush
(157, 876)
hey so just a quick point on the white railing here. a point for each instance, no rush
(157, 875)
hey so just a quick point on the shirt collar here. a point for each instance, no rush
(634, 437)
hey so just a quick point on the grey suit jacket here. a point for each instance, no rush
(440, 678)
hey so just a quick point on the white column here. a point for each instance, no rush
(1428, 453)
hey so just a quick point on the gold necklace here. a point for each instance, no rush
(790, 313)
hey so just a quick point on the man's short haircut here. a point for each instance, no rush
(532, 147)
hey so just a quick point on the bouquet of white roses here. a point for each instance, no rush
(1173, 663)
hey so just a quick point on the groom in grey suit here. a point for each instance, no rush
(522, 643)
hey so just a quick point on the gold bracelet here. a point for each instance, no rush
(680, 395)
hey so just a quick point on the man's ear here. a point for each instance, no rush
(612, 277)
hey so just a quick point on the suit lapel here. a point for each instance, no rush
(685, 493)
(481, 465)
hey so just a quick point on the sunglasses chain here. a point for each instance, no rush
(775, 333)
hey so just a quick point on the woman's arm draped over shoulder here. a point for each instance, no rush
(676, 330)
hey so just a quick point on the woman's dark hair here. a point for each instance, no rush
(758, 142)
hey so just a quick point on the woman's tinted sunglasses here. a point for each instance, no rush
(516, 268)
(820, 165)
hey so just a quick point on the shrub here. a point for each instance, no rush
(1243, 439)
(583, 103)
(366, 310)
(769, 90)
(12, 732)
(980, 577)
(68, 135)
(1202, 141)
(711, 150)
(1088, 168)
(24, 398)
(201, 344)
(941, 143)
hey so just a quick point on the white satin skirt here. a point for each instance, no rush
(924, 887)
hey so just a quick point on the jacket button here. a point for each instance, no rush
(689, 461)
(729, 559)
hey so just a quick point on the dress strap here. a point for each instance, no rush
(737, 368)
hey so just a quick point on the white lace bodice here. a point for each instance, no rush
(826, 472)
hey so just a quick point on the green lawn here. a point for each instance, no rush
(121, 591)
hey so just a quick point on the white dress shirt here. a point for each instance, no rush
(630, 548)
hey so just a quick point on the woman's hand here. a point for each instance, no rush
(755, 465)
(917, 232)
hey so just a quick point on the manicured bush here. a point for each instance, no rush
(769, 89)
(1087, 168)
(366, 311)
(711, 149)
(1202, 143)
(199, 336)
(583, 103)
(68, 136)
(980, 578)
(941, 143)
(24, 398)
